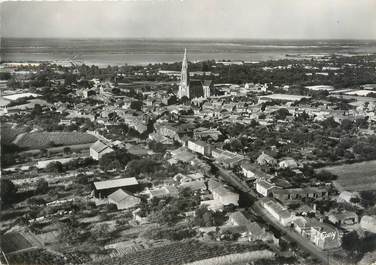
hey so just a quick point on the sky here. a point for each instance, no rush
(249, 19)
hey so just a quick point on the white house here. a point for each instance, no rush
(98, 149)
(278, 211)
(266, 160)
(222, 194)
(199, 147)
(288, 163)
(264, 187)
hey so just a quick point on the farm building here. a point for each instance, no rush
(98, 149)
(123, 200)
(104, 188)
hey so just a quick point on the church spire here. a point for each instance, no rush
(184, 69)
(184, 77)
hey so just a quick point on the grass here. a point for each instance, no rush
(39, 140)
(355, 177)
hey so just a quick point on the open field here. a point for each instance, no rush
(44, 139)
(354, 177)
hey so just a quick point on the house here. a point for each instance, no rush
(278, 211)
(251, 171)
(302, 226)
(163, 192)
(98, 149)
(104, 188)
(197, 185)
(368, 223)
(347, 196)
(213, 205)
(264, 187)
(222, 194)
(206, 133)
(226, 158)
(199, 147)
(266, 160)
(123, 200)
(321, 234)
(189, 178)
(343, 218)
(249, 229)
(288, 163)
(297, 194)
(325, 236)
(182, 154)
(139, 216)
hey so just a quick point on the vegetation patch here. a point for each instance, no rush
(355, 177)
(50, 139)
(9, 133)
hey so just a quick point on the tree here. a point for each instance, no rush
(115, 160)
(55, 167)
(8, 191)
(282, 113)
(144, 165)
(204, 217)
(157, 147)
(350, 241)
(136, 105)
(42, 187)
(37, 110)
(168, 215)
(67, 150)
(326, 176)
(329, 123)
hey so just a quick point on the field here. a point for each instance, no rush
(181, 253)
(14, 241)
(355, 177)
(240, 258)
(39, 140)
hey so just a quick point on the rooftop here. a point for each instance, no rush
(114, 183)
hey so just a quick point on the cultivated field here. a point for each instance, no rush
(181, 253)
(354, 177)
(240, 258)
(39, 140)
(14, 241)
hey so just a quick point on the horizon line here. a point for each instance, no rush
(185, 38)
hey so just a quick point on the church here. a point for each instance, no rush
(192, 88)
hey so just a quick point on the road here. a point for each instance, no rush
(304, 243)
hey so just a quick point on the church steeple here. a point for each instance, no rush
(184, 77)
(184, 70)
